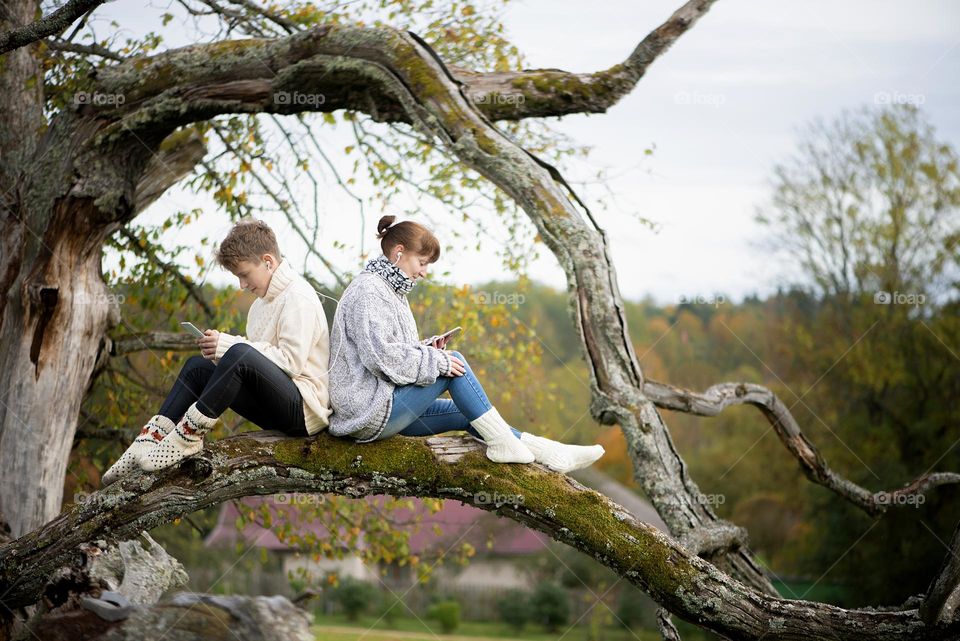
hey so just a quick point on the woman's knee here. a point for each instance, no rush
(463, 359)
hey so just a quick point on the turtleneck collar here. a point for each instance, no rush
(282, 276)
(395, 277)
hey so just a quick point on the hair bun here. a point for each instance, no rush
(384, 223)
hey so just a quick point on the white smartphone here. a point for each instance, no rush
(193, 329)
(450, 333)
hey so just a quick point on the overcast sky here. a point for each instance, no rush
(722, 106)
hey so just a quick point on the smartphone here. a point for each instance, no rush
(450, 333)
(193, 329)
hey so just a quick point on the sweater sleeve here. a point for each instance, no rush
(297, 324)
(383, 355)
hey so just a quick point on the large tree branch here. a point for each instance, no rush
(718, 397)
(267, 463)
(943, 597)
(48, 25)
(263, 75)
(530, 93)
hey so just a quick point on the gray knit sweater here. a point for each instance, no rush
(374, 347)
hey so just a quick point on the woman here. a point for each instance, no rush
(384, 380)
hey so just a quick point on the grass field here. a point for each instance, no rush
(337, 628)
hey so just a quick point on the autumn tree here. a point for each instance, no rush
(80, 164)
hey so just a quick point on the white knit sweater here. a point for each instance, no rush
(288, 326)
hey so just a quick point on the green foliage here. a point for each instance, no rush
(869, 203)
(354, 597)
(549, 606)
(447, 614)
(391, 607)
(635, 609)
(514, 609)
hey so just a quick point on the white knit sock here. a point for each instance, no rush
(152, 433)
(185, 440)
(502, 444)
(561, 457)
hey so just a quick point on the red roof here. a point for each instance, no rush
(459, 523)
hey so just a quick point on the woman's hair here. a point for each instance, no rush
(413, 236)
(248, 240)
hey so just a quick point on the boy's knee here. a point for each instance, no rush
(194, 362)
(237, 350)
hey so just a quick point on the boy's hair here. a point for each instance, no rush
(248, 240)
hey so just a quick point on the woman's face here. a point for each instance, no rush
(411, 263)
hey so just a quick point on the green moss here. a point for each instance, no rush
(402, 457)
(590, 524)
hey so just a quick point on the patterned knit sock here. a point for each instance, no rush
(185, 440)
(502, 445)
(152, 433)
(561, 457)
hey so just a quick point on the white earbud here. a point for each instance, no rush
(399, 254)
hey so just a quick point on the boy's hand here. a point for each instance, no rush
(208, 344)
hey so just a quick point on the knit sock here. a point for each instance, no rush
(561, 457)
(502, 445)
(152, 433)
(185, 440)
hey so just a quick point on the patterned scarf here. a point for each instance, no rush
(400, 282)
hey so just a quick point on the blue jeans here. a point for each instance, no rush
(418, 412)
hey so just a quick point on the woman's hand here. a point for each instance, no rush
(208, 344)
(457, 367)
(438, 342)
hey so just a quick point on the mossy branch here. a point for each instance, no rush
(264, 463)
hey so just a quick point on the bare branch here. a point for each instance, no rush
(49, 25)
(171, 269)
(172, 341)
(668, 631)
(718, 397)
(87, 50)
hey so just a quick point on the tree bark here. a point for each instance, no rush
(264, 463)
(28, 32)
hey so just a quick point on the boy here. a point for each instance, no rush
(275, 376)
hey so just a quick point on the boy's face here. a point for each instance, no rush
(255, 276)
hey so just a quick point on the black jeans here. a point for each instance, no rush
(244, 380)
